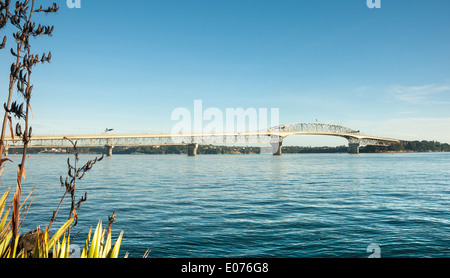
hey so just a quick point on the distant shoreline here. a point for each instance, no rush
(206, 154)
(410, 147)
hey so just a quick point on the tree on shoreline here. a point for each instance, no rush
(411, 146)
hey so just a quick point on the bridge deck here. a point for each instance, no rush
(180, 139)
(271, 135)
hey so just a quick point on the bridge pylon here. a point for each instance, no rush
(276, 147)
(109, 150)
(192, 149)
(354, 148)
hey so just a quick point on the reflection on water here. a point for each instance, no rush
(307, 205)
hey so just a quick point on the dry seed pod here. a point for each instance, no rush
(2, 45)
(18, 130)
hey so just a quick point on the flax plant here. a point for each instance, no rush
(4, 15)
(20, 74)
(46, 245)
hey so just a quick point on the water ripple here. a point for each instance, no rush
(315, 205)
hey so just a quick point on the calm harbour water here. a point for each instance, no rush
(293, 206)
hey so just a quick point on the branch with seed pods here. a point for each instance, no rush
(20, 17)
(74, 174)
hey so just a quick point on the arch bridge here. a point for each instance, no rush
(273, 136)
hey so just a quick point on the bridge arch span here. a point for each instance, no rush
(354, 137)
(273, 135)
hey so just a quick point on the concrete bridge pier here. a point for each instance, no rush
(109, 149)
(354, 148)
(6, 151)
(192, 149)
(276, 148)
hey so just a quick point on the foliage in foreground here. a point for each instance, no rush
(53, 246)
(20, 16)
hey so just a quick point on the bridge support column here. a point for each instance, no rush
(354, 148)
(192, 149)
(109, 149)
(276, 148)
(6, 151)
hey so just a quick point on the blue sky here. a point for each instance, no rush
(128, 64)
